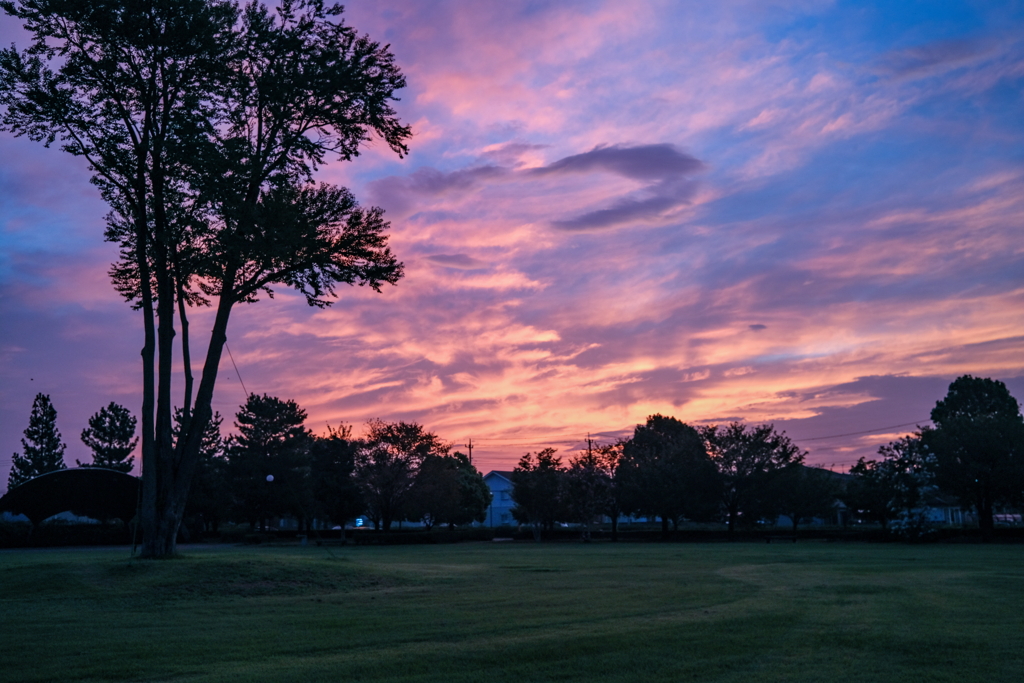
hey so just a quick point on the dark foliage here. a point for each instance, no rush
(268, 461)
(111, 437)
(978, 444)
(536, 491)
(387, 464)
(332, 469)
(665, 472)
(42, 445)
(588, 489)
(210, 494)
(202, 123)
(448, 490)
(747, 459)
(892, 487)
(803, 493)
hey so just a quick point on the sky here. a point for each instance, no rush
(808, 213)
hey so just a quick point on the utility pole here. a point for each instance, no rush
(470, 447)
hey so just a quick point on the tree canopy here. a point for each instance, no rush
(536, 489)
(268, 459)
(978, 444)
(111, 438)
(43, 449)
(666, 472)
(387, 464)
(747, 458)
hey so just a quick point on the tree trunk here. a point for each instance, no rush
(168, 486)
(986, 522)
(664, 527)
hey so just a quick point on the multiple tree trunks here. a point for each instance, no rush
(202, 122)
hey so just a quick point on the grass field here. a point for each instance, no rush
(517, 612)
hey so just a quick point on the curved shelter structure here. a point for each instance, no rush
(87, 491)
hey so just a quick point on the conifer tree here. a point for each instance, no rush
(111, 437)
(44, 450)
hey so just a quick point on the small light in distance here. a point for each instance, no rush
(270, 477)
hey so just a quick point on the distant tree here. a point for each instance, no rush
(803, 493)
(434, 497)
(587, 489)
(448, 490)
(271, 442)
(747, 458)
(111, 437)
(387, 464)
(42, 445)
(892, 487)
(209, 495)
(536, 489)
(978, 443)
(336, 493)
(666, 472)
(474, 494)
(609, 456)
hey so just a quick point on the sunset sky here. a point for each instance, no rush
(809, 213)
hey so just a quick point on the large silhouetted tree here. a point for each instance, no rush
(448, 490)
(111, 438)
(536, 490)
(587, 489)
(803, 493)
(202, 124)
(892, 487)
(268, 460)
(666, 472)
(747, 458)
(336, 494)
(387, 464)
(978, 443)
(474, 494)
(434, 497)
(42, 445)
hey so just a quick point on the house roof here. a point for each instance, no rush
(504, 474)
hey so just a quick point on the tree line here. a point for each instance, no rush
(667, 470)
(275, 467)
(744, 474)
(110, 436)
(671, 471)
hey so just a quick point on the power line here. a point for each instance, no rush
(539, 442)
(236, 368)
(867, 431)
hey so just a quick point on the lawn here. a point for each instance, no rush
(517, 612)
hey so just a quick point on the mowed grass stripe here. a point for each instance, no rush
(518, 612)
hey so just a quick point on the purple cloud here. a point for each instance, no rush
(929, 57)
(662, 164)
(459, 261)
(398, 193)
(642, 162)
(666, 196)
